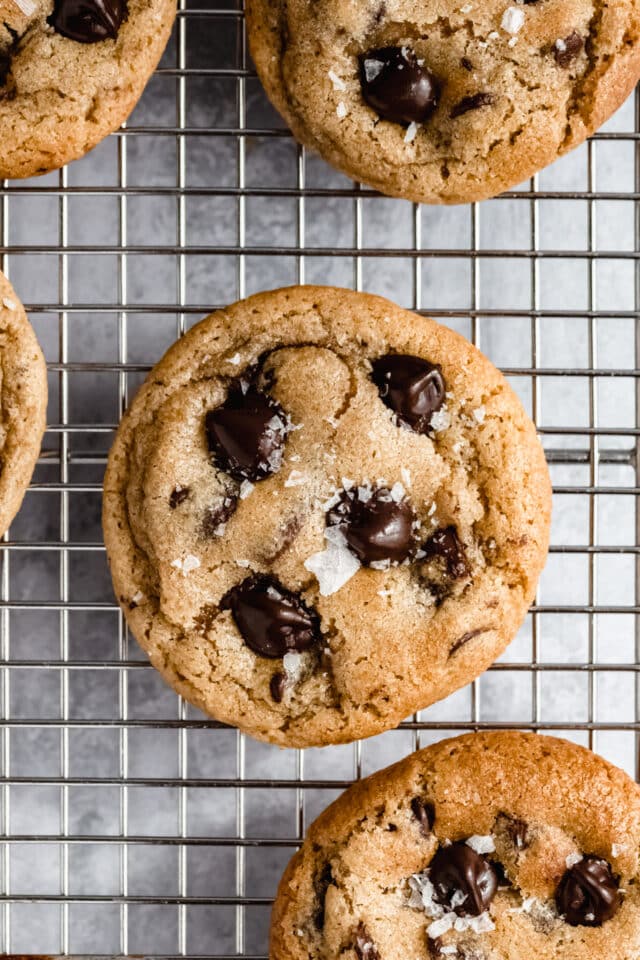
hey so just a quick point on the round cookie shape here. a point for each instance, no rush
(23, 387)
(530, 849)
(445, 102)
(71, 71)
(324, 564)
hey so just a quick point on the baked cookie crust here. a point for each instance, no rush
(371, 568)
(515, 85)
(23, 389)
(60, 96)
(535, 813)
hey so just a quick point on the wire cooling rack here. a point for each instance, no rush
(130, 823)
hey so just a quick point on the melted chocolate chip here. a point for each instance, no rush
(434, 947)
(588, 894)
(473, 102)
(215, 517)
(445, 545)
(246, 435)
(378, 528)
(412, 387)
(364, 945)
(466, 63)
(321, 883)
(178, 496)
(398, 86)
(277, 686)
(459, 868)
(567, 50)
(425, 813)
(272, 620)
(88, 21)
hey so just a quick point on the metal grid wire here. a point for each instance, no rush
(131, 823)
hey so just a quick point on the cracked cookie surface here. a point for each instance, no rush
(323, 512)
(445, 102)
(23, 393)
(71, 71)
(492, 846)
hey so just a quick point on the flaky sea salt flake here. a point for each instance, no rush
(412, 132)
(338, 82)
(8, 302)
(295, 479)
(440, 927)
(440, 420)
(481, 844)
(513, 20)
(333, 568)
(187, 565)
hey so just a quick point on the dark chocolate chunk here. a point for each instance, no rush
(272, 620)
(88, 21)
(246, 435)
(466, 63)
(215, 517)
(464, 640)
(412, 387)
(178, 496)
(588, 894)
(518, 830)
(398, 86)
(5, 66)
(567, 50)
(425, 813)
(458, 868)
(277, 686)
(321, 883)
(473, 102)
(378, 528)
(445, 544)
(364, 945)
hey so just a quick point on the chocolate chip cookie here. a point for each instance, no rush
(323, 513)
(445, 102)
(23, 387)
(71, 71)
(496, 846)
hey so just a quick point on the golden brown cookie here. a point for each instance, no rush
(23, 387)
(445, 102)
(323, 513)
(71, 71)
(494, 846)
